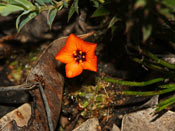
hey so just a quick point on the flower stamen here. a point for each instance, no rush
(74, 52)
(79, 56)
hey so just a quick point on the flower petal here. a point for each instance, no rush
(89, 49)
(73, 43)
(91, 64)
(64, 56)
(73, 69)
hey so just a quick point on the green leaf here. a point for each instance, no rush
(26, 20)
(19, 18)
(146, 32)
(12, 2)
(113, 29)
(71, 12)
(85, 104)
(65, 4)
(74, 8)
(95, 3)
(47, 1)
(101, 11)
(167, 13)
(41, 2)
(170, 3)
(51, 16)
(101, 1)
(25, 3)
(139, 3)
(8, 9)
(113, 21)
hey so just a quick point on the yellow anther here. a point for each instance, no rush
(80, 52)
(80, 61)
(83, 56)
(75, 58)
(74, 52)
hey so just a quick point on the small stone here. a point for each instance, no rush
(89, 125)
(146, 120)
(64, 121)
(115, 128)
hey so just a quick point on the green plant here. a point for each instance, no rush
(30, 10)
(156, 64)
(145, 21)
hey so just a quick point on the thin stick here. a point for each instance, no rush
(48, 111)
(22, 87)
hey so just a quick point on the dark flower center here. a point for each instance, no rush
(79, 56)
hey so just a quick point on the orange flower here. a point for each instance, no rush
(77, 54)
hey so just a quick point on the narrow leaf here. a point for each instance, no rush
(146, 32)
(167, 12)
(96, 3)
(65, 4)
(27, 4)
(41, 2)
(71, 12)
(113, 21)
(101, 11)
(8, 9)
(26, 20)
(170, 3)
(140, 3)
(74, 8)
(101, 1)
(51, 16)
(12, 2)
(47, 1)
(19, 18)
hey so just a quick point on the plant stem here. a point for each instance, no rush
(165, 103)
(167, 86)
(147, 93)
(131, 83)
(152, 66)
(159, 61)
(49, 7)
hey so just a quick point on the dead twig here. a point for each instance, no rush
(22, 87)
(47, 108)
